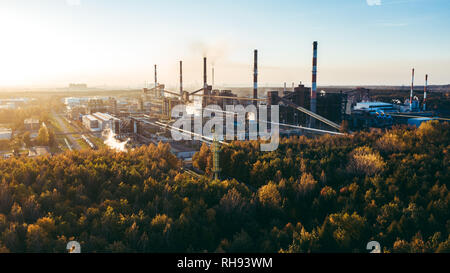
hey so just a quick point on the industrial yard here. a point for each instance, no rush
(124, 120)
(128, 121)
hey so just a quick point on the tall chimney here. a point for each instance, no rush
(156, 82)
(255, 76)
(284, 92)
(181, 78)
(205, 82)
(412, 92)
(425, 93)
(213, 76)
(314, 84)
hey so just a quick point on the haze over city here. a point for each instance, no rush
(51, 43)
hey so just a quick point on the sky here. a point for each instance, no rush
(112, 43)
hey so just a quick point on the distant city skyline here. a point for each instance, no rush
(51, 43)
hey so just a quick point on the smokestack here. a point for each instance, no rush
(284, 88)
(255, 76)
(156, 82)
(213, 76)
(314, 84)
(205, 82)
(412, 92)
(425, 93)
(181, 78)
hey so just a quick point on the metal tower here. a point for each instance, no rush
(215, 151)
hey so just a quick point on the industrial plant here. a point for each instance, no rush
(225, 135)
(302, 110)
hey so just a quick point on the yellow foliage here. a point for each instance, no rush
(364, 160)
(269, 195)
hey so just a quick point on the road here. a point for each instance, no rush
(63, 127)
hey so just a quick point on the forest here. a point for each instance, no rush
(325, 194)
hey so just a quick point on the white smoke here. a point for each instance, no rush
(214, 51)
(113, 143)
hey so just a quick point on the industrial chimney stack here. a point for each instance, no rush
(412, 92)
(425, 93)
(255, 76)
(156, 82)
(205, 81)
(181, 78)
(314, 85)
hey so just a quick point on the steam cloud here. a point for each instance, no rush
(113, 143)
(213, 52)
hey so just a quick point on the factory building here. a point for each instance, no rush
(354, 96)
(414, 105)
(301, 97)
(332, 106)
(72, 101)
(91, 123)
(372, 114)
(76, 112)
(96, 105)
(374, 107)
(106, 121)
(76, 107)
(168, 104)
(227, 99)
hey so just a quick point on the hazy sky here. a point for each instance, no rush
(117, 42)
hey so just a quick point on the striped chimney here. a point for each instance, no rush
(425, 93)
(205, 81)
(255, 76)
(412, 92)
(314, 84)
